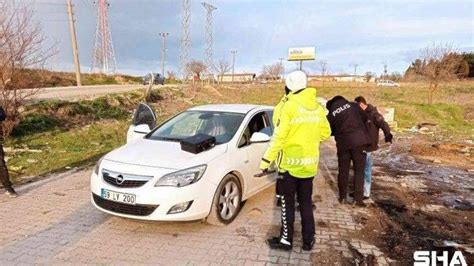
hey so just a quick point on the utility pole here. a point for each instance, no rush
(72, 29)
(233, 52)
(385, 71)
(163, 51)
(103, 59)
(209, 39)
(282, 68)
(185, 39)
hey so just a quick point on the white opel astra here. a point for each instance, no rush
(153, 177)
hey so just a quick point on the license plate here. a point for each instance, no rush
(118, 197)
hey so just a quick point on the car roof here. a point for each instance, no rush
(231, 108)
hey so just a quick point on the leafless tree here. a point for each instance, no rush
(273, 72)
(222, 66)
(368, 76)
(171, 75)
(196, 68)
(440, 63)
(21, 50)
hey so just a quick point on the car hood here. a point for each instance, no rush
(162, 154)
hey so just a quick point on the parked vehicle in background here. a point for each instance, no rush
(157, 79)
(153, 177)
(387, 83)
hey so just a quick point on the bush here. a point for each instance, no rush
(36, 123)
(155, 96)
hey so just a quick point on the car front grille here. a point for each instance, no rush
(138, 210)
(124, 180)
(126, 183)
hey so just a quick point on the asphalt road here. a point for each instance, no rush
(84, 92)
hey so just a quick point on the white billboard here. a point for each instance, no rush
(301, 53)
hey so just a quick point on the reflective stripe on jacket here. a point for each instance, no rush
(300, 125)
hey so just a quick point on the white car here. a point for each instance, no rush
(387, 83)
(152, 178)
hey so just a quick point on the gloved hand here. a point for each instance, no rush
(388, 138)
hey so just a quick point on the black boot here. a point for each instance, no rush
(275, 243)
(11, 192)
(342, 201)
(308, 246)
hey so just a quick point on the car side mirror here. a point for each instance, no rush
(142, 129)
(259, 137)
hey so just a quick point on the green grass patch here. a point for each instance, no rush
(36, 123)
(61, 149)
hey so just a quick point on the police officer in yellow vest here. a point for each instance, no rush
(294, 148)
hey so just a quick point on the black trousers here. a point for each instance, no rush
(4, 177)
(358, 157)
(287, 187)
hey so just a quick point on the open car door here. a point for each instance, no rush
(144, 120)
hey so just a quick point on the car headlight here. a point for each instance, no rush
(182, 178)
(97, 166)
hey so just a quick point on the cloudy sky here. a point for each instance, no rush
(344, 32)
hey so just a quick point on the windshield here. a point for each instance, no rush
(220, 125)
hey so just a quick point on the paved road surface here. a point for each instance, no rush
(53, 222)
(77, 93)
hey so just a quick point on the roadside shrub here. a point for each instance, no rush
(101, 109)
(36, 123)
(155, 96)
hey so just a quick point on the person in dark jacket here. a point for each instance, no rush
(348, 127)
(4, 176)
(375, 122)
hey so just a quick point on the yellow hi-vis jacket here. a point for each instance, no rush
(301, 125)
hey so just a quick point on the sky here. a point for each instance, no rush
(345, 33)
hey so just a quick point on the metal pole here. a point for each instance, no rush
(301, 65)
(355, 71)
(163, 51)
(75, 54)
(281, 64)
(233, 63)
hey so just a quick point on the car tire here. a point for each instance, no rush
(227, 201)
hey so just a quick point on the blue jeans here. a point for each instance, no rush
(368, 175)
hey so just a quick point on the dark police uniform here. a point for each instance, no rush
(348, 126)
(4, 177)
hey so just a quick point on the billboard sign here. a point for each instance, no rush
(301, 53)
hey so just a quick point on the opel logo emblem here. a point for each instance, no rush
(119, 180)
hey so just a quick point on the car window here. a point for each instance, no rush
(260, 122)
(221, 125)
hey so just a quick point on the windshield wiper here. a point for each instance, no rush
(168, 139)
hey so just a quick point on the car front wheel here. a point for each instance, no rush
(227, 201)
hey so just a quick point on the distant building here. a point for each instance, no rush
(339, 78)
(238, 77)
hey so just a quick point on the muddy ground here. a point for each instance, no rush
(422, 199)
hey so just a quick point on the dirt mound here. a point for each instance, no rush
(456, 154)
